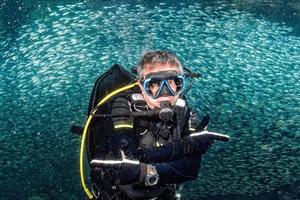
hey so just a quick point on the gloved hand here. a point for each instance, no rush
(195, 145)
(199, 143)
(123, 171)
(128, 173)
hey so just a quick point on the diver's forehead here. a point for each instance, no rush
(158, 67)
(163, 74)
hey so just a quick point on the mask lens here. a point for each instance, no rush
(154, 86)
(179, 83)
(175, 84)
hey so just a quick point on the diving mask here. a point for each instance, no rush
(163, 83)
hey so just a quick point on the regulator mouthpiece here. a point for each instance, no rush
(166, 112)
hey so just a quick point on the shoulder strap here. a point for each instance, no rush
(112, 79)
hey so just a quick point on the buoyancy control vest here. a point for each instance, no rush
(100, 143)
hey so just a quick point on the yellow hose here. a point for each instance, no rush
(86, 190)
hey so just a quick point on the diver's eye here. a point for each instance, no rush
(171, 81)
(154, 83)
(154, 87)
(172, 85)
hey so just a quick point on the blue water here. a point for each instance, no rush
(248, 54)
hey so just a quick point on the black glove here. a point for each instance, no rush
(195, 145)
(128, 173)
(199, 143)
(122, 171)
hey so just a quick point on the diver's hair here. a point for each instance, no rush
(158, 57)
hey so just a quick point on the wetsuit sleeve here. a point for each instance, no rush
(178, 171)
(187, 146)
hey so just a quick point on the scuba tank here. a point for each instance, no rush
(97, 130)
(116, 77)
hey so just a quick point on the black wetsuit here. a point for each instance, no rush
(149, 134)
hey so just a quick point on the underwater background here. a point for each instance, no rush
(248, 52)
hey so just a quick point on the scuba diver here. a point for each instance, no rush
(142, 138)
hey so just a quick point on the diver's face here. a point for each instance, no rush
(155, 102)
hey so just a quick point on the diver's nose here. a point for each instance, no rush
(165, 91)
